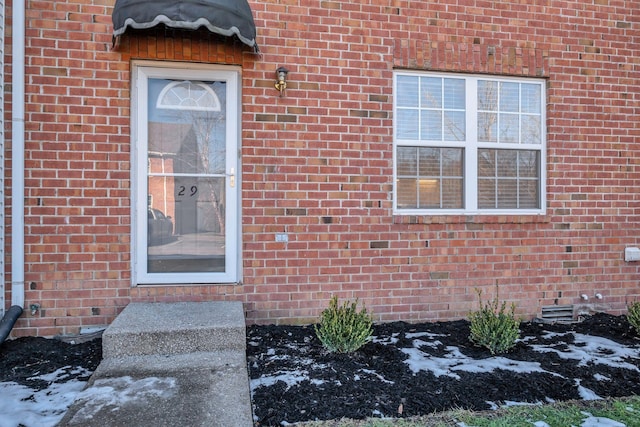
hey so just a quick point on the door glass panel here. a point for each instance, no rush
(186, 176)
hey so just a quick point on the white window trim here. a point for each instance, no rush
(470, 173)
(141, 71)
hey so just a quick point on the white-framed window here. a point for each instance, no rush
(468, 144)
(185, 192)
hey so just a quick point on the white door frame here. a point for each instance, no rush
(141, 72)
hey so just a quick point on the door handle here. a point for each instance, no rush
(232, 177)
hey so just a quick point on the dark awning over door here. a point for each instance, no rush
(225, 17)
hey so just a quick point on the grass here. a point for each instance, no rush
(564, 414)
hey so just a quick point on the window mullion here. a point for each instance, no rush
(471, 147)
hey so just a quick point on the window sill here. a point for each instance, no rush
(471, 219)
(186, 284)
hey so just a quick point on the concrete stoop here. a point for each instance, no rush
(169, 364)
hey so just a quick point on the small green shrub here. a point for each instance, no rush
(494, 327)
(343, 329)
(633, 315)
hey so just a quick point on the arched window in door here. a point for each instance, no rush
(188, 95)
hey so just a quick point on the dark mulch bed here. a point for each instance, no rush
(376, 381)
(24, 358)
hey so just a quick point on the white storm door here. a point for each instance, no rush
(185, 198)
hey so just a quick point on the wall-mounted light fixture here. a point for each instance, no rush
(281, 79)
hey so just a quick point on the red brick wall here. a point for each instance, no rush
(317, 163)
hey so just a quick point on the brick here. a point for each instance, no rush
(317, 162)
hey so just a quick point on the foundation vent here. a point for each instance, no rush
(558, 314)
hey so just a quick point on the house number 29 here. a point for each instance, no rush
(182, 190)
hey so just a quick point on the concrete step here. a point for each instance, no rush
(173, 364)
(198, 389)
(175, 328)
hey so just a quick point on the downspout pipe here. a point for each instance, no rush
(7, 322)
(17, 170)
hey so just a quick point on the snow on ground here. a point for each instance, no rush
(592, 349)
(585, 348)
(21, 405)
(454, 360)
(290, 378)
